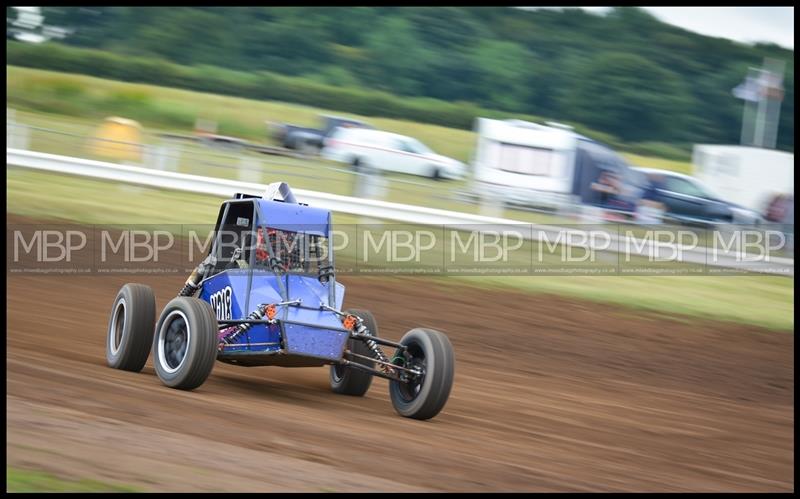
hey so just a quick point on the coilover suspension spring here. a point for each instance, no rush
(192, 283)
(361, 330)
(255, 315)
(188, 289)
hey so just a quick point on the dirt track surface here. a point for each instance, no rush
(550, 394)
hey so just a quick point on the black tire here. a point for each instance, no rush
(432, 351)
(436, 173)
(349, 381)
(185, 343)
(356, 165)
(130, 328)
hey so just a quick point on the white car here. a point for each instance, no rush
(376, 149)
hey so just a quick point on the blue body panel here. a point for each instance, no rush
(310, 290)
(314, 342)
(238, 281)
(304, 333)
(293, 217)
(305, 330)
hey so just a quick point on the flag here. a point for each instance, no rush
(760, 84)
(748, 90)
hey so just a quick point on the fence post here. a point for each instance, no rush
(249, 169)
(490, 205)
(173, 157)
(369, 183)
(10, 125)
(147, 156)
(17, 135)
(590, 214)
(569, 207)
(160, 157)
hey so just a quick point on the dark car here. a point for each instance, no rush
(688, 200)
(312, 139)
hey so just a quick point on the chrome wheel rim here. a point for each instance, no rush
(174, 339)
(117, 329)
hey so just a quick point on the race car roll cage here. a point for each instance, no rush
(401, 367)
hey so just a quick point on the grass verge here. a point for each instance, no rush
(760, 300)
(19, 480)
(171, 108)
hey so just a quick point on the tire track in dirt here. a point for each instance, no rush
(550, 394)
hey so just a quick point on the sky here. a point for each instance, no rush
(743, 24)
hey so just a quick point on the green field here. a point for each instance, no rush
(18, 480)
(169, 108)
(76, 105)
(64, 110)
(760, 300)
(68, 136)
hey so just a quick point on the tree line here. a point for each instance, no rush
(624, 73)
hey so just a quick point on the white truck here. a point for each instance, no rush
(747, 176)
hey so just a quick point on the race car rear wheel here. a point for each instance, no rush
(423, 397)
(349, 381)
(130, 327)
(185, 343)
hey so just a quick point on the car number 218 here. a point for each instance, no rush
(221, 303)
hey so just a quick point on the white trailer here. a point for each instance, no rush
(547, 166)
(525, 161)
(748, 176)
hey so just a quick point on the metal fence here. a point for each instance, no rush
(173, 153)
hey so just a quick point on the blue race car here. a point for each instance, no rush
(266, 295)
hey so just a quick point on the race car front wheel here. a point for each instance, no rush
(130, 327)
(431, 353)
(184, 345)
